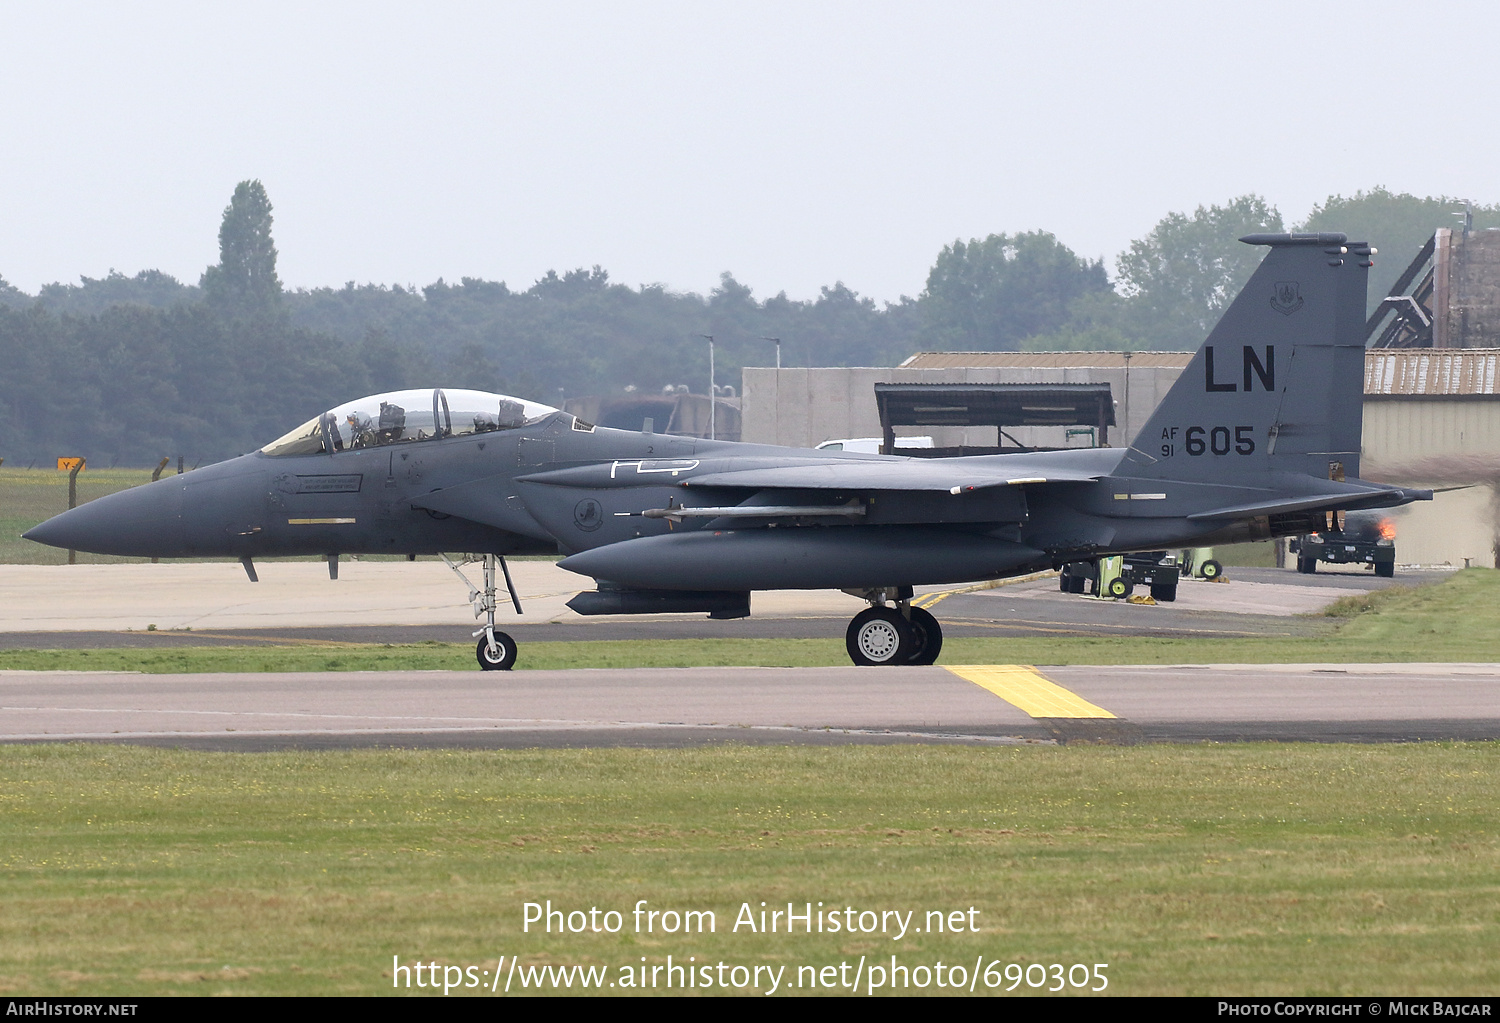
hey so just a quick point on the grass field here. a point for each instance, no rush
(1189, 870)
(29, 496)
(1456, 620)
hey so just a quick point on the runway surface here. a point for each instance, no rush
(212, 604)
(684, 706)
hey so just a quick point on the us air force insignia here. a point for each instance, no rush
(1287, 298)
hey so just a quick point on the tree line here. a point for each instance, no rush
(128, 369)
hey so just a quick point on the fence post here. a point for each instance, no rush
(73, 499)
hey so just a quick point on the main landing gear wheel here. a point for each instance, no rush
(880, 635)
(928, 635)
(502, 658)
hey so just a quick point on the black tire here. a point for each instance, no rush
(928, 635)
(879, 635)
(1307, 566)
(1064, 581)
(1164, 594)
(507, 652)
(1385, 569)
(1118, 588)
(1211, 569)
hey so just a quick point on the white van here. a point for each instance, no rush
(871, 445)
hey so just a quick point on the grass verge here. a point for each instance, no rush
(1252, 869)
(30, 496)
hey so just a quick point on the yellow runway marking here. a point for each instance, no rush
(931, 599)
(1028, 689)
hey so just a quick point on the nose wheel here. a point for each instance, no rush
(499, 657)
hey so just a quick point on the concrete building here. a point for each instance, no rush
(1432, 419)
(805, 406)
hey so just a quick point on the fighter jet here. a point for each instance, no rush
(1259, 437)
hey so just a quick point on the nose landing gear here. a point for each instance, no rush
(496, 650)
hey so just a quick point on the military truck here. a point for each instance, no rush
(1368, 540)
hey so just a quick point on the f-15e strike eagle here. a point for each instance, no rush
(1259, 437)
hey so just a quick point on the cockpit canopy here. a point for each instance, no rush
(401, 417)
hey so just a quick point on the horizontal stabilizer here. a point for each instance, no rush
(1354, 498)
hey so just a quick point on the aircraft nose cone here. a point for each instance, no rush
(48, 533)
(143, 522)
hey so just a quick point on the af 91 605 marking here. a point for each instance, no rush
(1201, 440)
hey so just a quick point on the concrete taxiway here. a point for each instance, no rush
(683, 706)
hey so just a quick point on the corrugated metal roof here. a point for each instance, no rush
(1429, 371)
(1046, 360)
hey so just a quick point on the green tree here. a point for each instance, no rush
(94, 295)
(1398, 224)
(1096, 323)
(12, 296)
(1181, 277)
(989, 295)
(244, 283)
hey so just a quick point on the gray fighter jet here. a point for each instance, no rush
(1259, 437)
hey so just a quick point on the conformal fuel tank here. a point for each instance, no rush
(807, 558)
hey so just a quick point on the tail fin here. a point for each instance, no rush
(1279, 384)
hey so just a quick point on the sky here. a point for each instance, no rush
(792, 144)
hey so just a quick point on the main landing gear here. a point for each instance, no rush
(496, 650)
(894, 634)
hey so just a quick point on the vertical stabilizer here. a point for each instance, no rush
(1279, 384)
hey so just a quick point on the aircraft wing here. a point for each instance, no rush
(943, 475)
